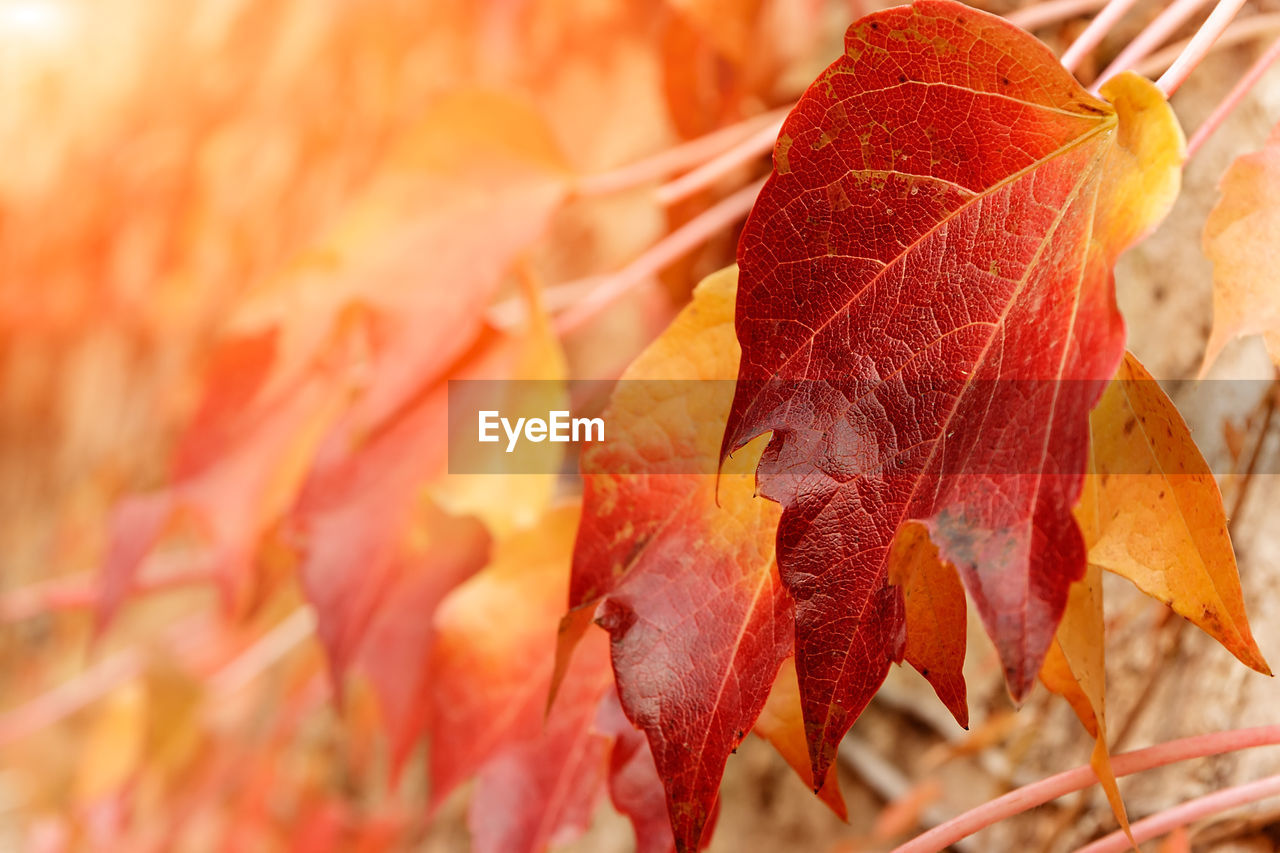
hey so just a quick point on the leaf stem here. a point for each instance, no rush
(1192, 810)
(186, 639)
(271, 647)
(1095, 32)
(1199, 46)
(678, 158)
(605, 289)
(1273, 397)
(701, 150)
(1151, 37)
(71, 696)
(1240, 31)
(713, 170)
(1233, 98)
(1039, 793)
(1041, 14)
(84, 591)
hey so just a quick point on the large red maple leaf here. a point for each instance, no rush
(927, 315)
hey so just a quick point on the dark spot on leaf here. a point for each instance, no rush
(616, 618)
(637, 547)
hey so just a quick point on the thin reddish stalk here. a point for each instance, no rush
(287, 635)
(1151, 37)
(1039, 793)
(676, 159)
(1188, 812)
(1095, 32)
(699, 151)
(71, 696)
(85, 591)
(1240, 31)
(1042, 14)
(1234, 97)
(1199, 46)
(713, 170)
(86, 687)
(666, 251)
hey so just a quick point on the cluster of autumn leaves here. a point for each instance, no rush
(930, 339)
(770, 598)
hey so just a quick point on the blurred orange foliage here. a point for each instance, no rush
(243, 248)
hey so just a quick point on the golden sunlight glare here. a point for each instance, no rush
(45, 22)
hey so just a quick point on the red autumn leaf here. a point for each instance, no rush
(690, 595)
(355, 521)
(634, 785)
(541, 791)
(329, 356)
(376, 559)
(231, 503)
(489, 686)
(926, 315)
(781, 722)
(396, 643)
(234, 376)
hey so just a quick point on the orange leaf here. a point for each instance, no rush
(396, 643)
(541, 791)
(1242, 238)
(935, 614)
(492, 658)
(682, 572)
(782, 724)
(1158, 518)
(1075, 668)
(376, 562)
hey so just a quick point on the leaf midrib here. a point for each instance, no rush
(1013, 177)
(982, 355)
